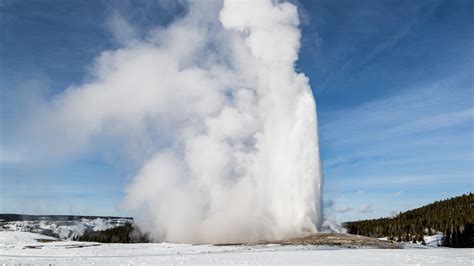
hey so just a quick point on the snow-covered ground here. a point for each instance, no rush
(435, 240)
(430, 241)
(24, 248)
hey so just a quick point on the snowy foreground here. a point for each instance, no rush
(30, 248)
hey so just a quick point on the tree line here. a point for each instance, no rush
(126, 233)
(453, 217)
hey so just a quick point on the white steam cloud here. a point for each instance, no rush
(225, 126)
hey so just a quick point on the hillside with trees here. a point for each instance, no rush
(453, 217)
(126, 233)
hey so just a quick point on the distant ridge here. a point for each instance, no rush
(9, 217)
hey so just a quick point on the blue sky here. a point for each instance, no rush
(393, 81)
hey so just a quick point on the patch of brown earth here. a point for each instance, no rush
(335, 239)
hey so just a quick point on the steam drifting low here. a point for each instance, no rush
(223, 127)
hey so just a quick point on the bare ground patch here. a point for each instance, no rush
(334, 239)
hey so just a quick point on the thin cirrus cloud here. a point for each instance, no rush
(417, 140)
(403, 129)
(366, 208)
(422, 108)
(342, 209)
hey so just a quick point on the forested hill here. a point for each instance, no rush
(453, 217)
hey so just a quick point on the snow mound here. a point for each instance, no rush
(10, 238)
(435, 240)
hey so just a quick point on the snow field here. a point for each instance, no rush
(23, 248)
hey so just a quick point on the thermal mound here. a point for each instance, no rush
(334, 239)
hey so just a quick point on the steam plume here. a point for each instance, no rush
(225, 127)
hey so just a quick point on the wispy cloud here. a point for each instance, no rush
(424, 125)
(422, 108)
(366, 208)
(342, 209)
(349, 61)
(389, 182)
(402, 148)
(398, 193)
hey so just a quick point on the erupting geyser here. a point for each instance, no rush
(224, 127)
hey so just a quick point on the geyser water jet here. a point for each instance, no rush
(222, 127)
(251, 171)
